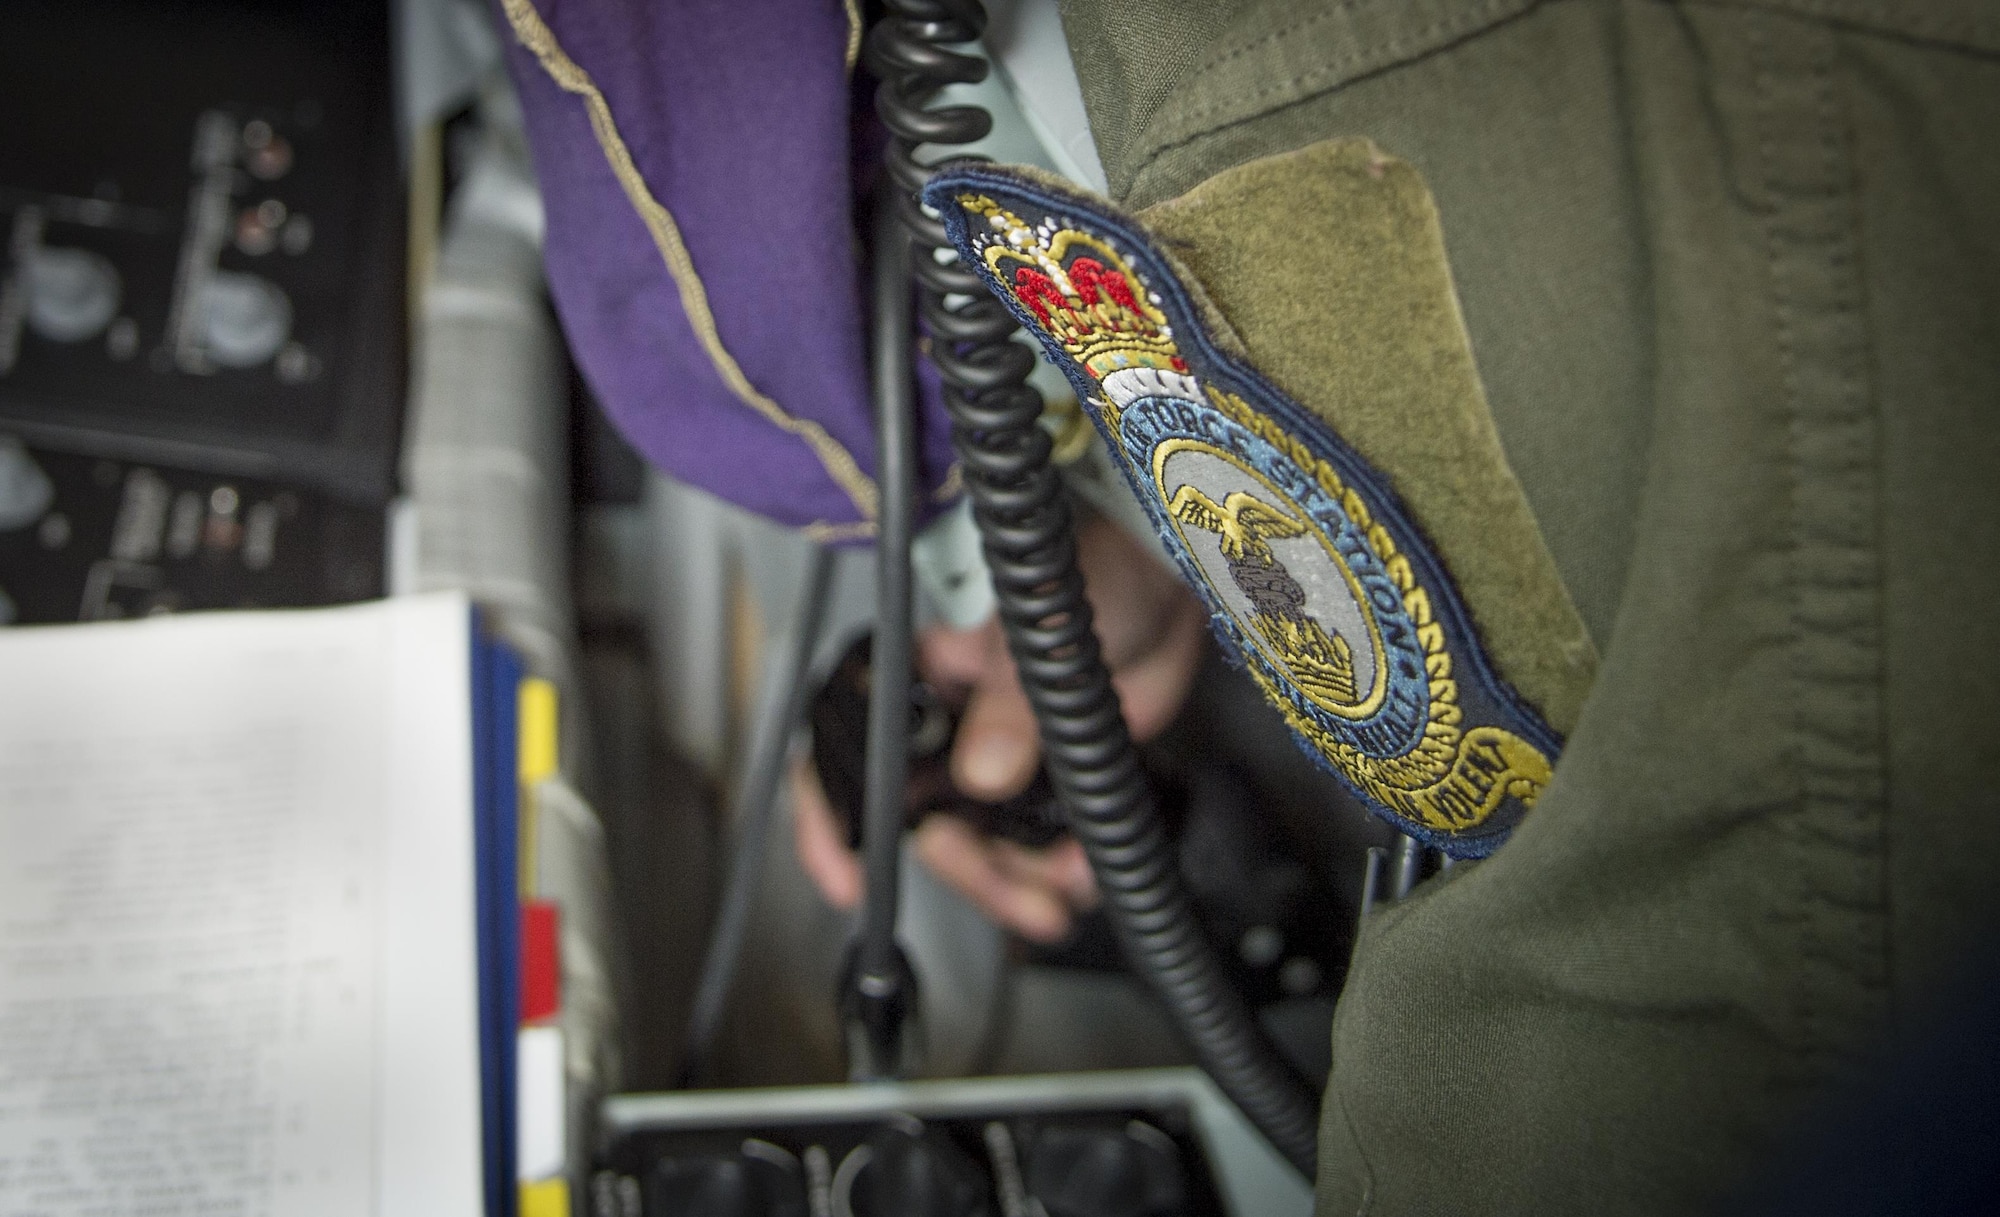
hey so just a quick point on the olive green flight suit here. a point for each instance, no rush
(1731, 276)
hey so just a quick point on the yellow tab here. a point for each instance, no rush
(545, 1198)
(538, 762)
(538, 730)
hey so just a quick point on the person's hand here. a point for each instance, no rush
(1150, 627)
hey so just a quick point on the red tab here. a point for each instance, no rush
(541, 961)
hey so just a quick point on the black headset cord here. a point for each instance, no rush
(1024, 523)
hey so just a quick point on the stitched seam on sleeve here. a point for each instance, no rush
(820, 532)
(1921, 23)
(534, 34)
(1190, 126)
(1834, 581)
(853, 33)
(1276, 35)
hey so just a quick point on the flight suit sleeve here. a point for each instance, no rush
(1725, 275)
(695, 167)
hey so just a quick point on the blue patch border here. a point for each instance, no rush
(1492, 702)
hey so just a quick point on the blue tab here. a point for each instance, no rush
(1317, 581)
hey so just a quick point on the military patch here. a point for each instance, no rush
(1317, 581)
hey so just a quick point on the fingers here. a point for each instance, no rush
(999, 746)
(1151, 629)
(817, 839)
(1032, 892)
(951, 658)
(1061, 868)
(997, 749)
(998, 885)
(1134, 598)
(1152, 686)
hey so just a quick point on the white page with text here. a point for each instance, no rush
(237, 953)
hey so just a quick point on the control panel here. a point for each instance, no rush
(201, 242)
(1142, 1143)
(1086, 1164)
(91, 539)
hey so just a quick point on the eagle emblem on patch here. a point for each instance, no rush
(1317, 581)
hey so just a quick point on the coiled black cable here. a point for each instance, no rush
(1024, 523)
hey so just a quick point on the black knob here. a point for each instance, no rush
(913, 1174)
(725, 1185)
(1105, 1170)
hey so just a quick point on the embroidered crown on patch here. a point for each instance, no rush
(1317, 581)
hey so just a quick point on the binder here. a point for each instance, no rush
(348, 735)
(496, 681)
(541, 1100)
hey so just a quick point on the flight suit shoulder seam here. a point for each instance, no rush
(1359, 60)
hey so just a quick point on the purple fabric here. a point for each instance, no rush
(737, 115)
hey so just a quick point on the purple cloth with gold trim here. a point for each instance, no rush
(731, 124)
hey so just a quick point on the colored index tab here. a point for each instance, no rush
(545, 1198)
(541, 961)
(538, 730)
(541, 1135)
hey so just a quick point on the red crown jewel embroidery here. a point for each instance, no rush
(1104, 305)
(1077, 288)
